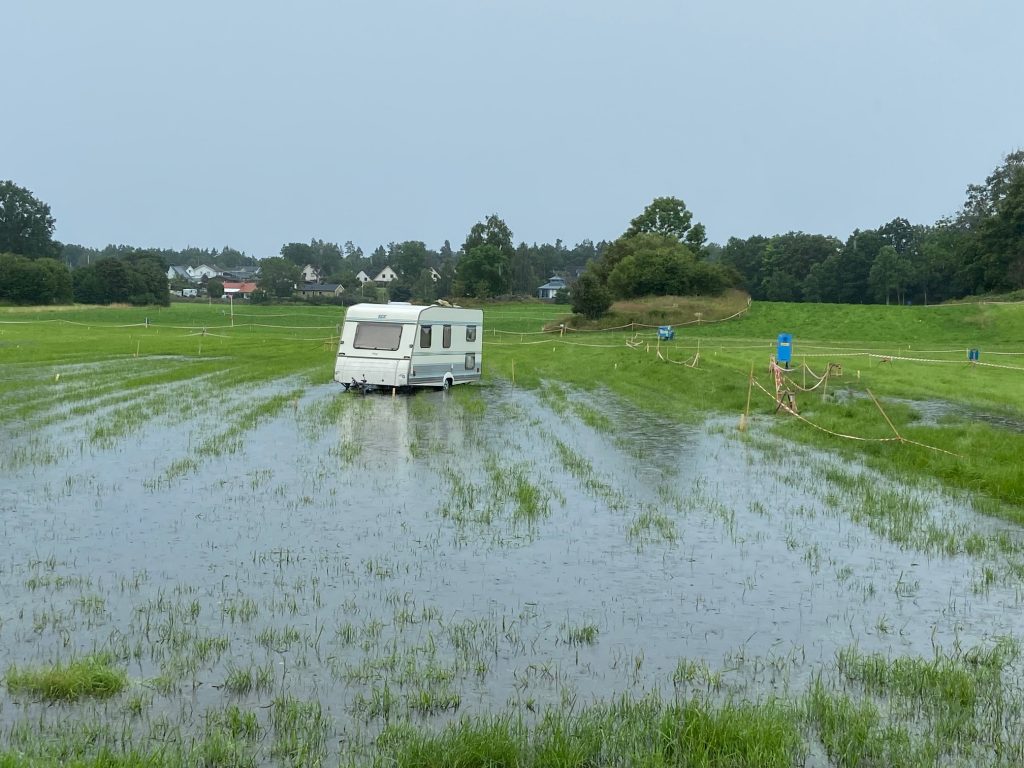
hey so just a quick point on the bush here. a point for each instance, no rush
(589, 297)
(33, 281)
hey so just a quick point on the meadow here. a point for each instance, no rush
(216, 557)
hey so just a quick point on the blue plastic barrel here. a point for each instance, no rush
(784, 348)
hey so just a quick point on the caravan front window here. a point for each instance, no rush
(381, 336)
(446, 337)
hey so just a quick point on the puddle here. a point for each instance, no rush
(933, 413)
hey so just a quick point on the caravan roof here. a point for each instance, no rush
(396, 312)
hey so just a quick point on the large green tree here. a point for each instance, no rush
(747, 258)
(482, 272)
(139, 280)
(983, 199)
(485, 268)
(409, 258)
(1001, 237)
(278, 276)
(491, 231)
(941, 274)
(26, 226)
(890, 274)
(670, 217)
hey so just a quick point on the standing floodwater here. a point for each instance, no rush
(372, 560)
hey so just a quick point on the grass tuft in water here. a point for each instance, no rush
(90, 676)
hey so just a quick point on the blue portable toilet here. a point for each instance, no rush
(665, 332)
(973, 355)
(784, 349)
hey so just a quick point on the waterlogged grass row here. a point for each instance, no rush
(694, 733)
(90, 676)
(954, 707)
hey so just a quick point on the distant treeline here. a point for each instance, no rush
(978, 251)
(136, 279)
(522, 269)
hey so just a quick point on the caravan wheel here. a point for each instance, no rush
(446, 384)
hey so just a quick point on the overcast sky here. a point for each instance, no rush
(254, 124)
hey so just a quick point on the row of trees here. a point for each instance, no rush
(33, 281)
(139, 278)
(488, 263)
(79, 255)
(979, 250)
(32, 269)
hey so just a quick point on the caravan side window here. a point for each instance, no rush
(446, 337)
(424, 337)
(470, 361)
(470, 333)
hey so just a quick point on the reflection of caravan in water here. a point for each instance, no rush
(401, 345)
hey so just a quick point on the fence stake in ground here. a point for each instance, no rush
(746, 412)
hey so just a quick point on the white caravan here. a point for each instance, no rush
(401, 345)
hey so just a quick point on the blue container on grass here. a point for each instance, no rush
(665, 332)
(784, 349)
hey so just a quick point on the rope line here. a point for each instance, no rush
(897, 439)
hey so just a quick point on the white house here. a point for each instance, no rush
(385, 276)
(551, 287)
(311, 274)
(362, 277)
(205, 271)
(179, 273)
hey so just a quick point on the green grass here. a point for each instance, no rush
(87, 677)
(646, 731)
(984, 456)
(920, 712)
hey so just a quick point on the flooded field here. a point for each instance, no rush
(287, 574)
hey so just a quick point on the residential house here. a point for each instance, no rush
(362, 277)
(551, 287)
(180, 273)
(385, 276)
(241, 274)
(319, 290)
(205, 272)
(238, 290)
(311, 274)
